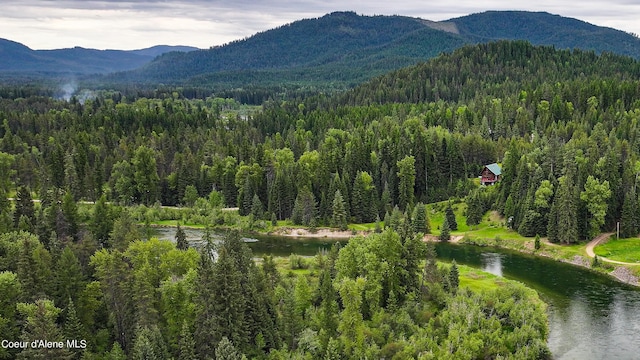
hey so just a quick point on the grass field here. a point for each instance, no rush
(477, 280)
(627, 250)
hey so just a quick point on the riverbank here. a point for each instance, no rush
(577, 255)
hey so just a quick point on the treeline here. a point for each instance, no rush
(416, 135)
(136, 299)
(152, 150)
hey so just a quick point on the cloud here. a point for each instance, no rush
(131, 24)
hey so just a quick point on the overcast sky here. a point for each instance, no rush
(135, 24)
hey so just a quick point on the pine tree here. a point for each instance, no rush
(73, 328)
(101, 222)
(339, 216)
(146, 174)
(69, 278)
(181, 239)
(363, 204)
(149, 344)
(24, 207)
(6, 221)
(304, 210)
(116, 352)
(328, 313)
(187, 344)
(221, 304)
(552, 224)
(454, 277)
(451, 217)
(71, 218)
(407, 178)
(257, 209)
(629, 226)
(475, 208)
(41, 325)
(419, 219)
(567, 211)
(226, 351)
(445, 231)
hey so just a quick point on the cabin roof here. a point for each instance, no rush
(494, 168)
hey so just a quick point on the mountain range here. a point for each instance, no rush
(340, 49)
(16, 57)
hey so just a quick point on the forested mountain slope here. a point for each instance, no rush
(341, 40)
(347, 48)
(542, 28)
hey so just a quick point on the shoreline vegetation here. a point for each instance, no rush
(577, 255)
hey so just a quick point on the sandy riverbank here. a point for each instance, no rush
(318, 233)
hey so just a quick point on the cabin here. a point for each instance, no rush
(490, 174)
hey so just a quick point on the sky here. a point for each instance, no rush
(137, 24)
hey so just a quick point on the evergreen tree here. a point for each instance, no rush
(629, 226)
(407, 178)
(419, 220)
(24, 207)
(221, 304)
(72, 181)
(304, 210)
(146, 174)
(445, 231)
(451, 217)
(181, 239)
(552, 225)
(339, 216)
(73, 328)
(70, 213)
(257, 209)
(475, 208)
(328, 313)
(125, 231)
(116, 352)
(101, 223)
(41, 325)
(454, 277)
(226, 351)
(567, 232)
(363, 204)
(385, 200)
(6, 221)
(187, 344)
(69, 278)
(149, 345)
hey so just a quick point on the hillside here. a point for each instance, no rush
(347, 48)
(335, 46)
(542, 28)
(17, 58)
(335, 51)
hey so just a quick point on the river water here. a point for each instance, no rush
(591, 316)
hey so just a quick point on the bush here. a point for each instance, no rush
(297, 262)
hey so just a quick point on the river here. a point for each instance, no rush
(591, 316)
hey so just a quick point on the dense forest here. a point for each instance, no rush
(562, 124)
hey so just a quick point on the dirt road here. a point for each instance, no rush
(599, 240)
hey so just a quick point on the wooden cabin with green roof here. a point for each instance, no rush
(490, 174)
